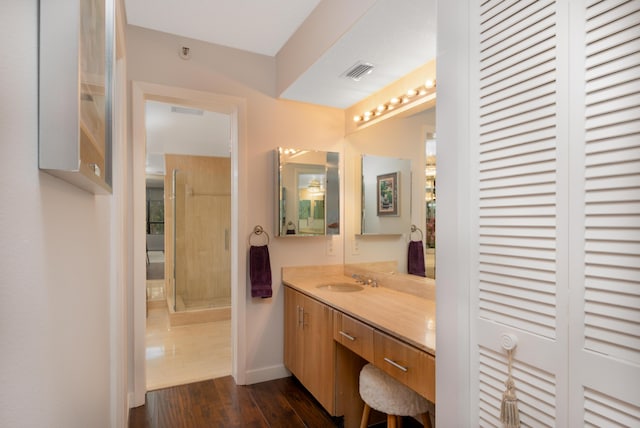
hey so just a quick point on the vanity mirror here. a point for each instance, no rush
(395, 145)
(386, 195)
(308, 192)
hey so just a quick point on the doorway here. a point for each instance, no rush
(188, 310)
(235, 110)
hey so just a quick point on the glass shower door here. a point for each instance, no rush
(202, 254)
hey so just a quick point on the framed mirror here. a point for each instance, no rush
(308, 192)
(386, 195)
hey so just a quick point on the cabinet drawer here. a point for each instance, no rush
(354, 335)
(411, 366)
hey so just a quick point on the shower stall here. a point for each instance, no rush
(199, 266)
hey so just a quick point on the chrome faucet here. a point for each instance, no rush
(365, 280)
(359, 278)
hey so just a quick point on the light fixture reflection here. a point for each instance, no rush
(315, 186)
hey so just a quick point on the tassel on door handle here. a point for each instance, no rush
(509, 414)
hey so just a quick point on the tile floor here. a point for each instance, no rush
(185, 354)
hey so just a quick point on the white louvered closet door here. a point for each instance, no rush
(558, 212)
(604, 369)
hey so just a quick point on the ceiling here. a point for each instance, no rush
(395, 36)
(259, 26)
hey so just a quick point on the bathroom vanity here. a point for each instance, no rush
(334, 326)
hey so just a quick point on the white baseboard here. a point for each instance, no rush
(266, 373)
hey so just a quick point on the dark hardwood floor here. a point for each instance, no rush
(222, 403)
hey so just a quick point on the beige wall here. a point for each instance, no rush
(54, 262)
(153, 57)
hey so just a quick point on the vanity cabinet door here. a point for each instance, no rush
(353, 335)
(411, 366)
(293, 332)
(309, 348)
(319, 355)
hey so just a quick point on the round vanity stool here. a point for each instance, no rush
(383, 393)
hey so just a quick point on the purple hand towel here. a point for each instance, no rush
(260, 271)
(415, 259)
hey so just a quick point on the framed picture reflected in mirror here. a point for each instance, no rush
(387, 194)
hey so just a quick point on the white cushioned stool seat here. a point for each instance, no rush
(381, 392)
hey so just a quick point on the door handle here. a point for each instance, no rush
(347, 335)
(396, 365)
(299, 309)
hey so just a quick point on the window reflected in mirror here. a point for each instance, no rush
(311, 201)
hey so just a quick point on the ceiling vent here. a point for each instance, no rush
(358, 71)
(186, 110)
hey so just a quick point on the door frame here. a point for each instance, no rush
(236, 108)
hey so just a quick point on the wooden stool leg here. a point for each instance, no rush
(391, 421)
(399, 419)
(426, 420)
(365, 416)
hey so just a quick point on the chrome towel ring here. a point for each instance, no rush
(258, 231)
(414, 229)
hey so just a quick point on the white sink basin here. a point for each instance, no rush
(341, 287)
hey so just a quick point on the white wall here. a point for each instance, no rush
(153, 57)
(54, 262)
(312, 39)
(452, 225)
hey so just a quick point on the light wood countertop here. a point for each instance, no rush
(404, 316)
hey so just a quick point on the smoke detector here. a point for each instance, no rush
(358, 71)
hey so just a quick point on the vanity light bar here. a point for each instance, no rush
(411, 95)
